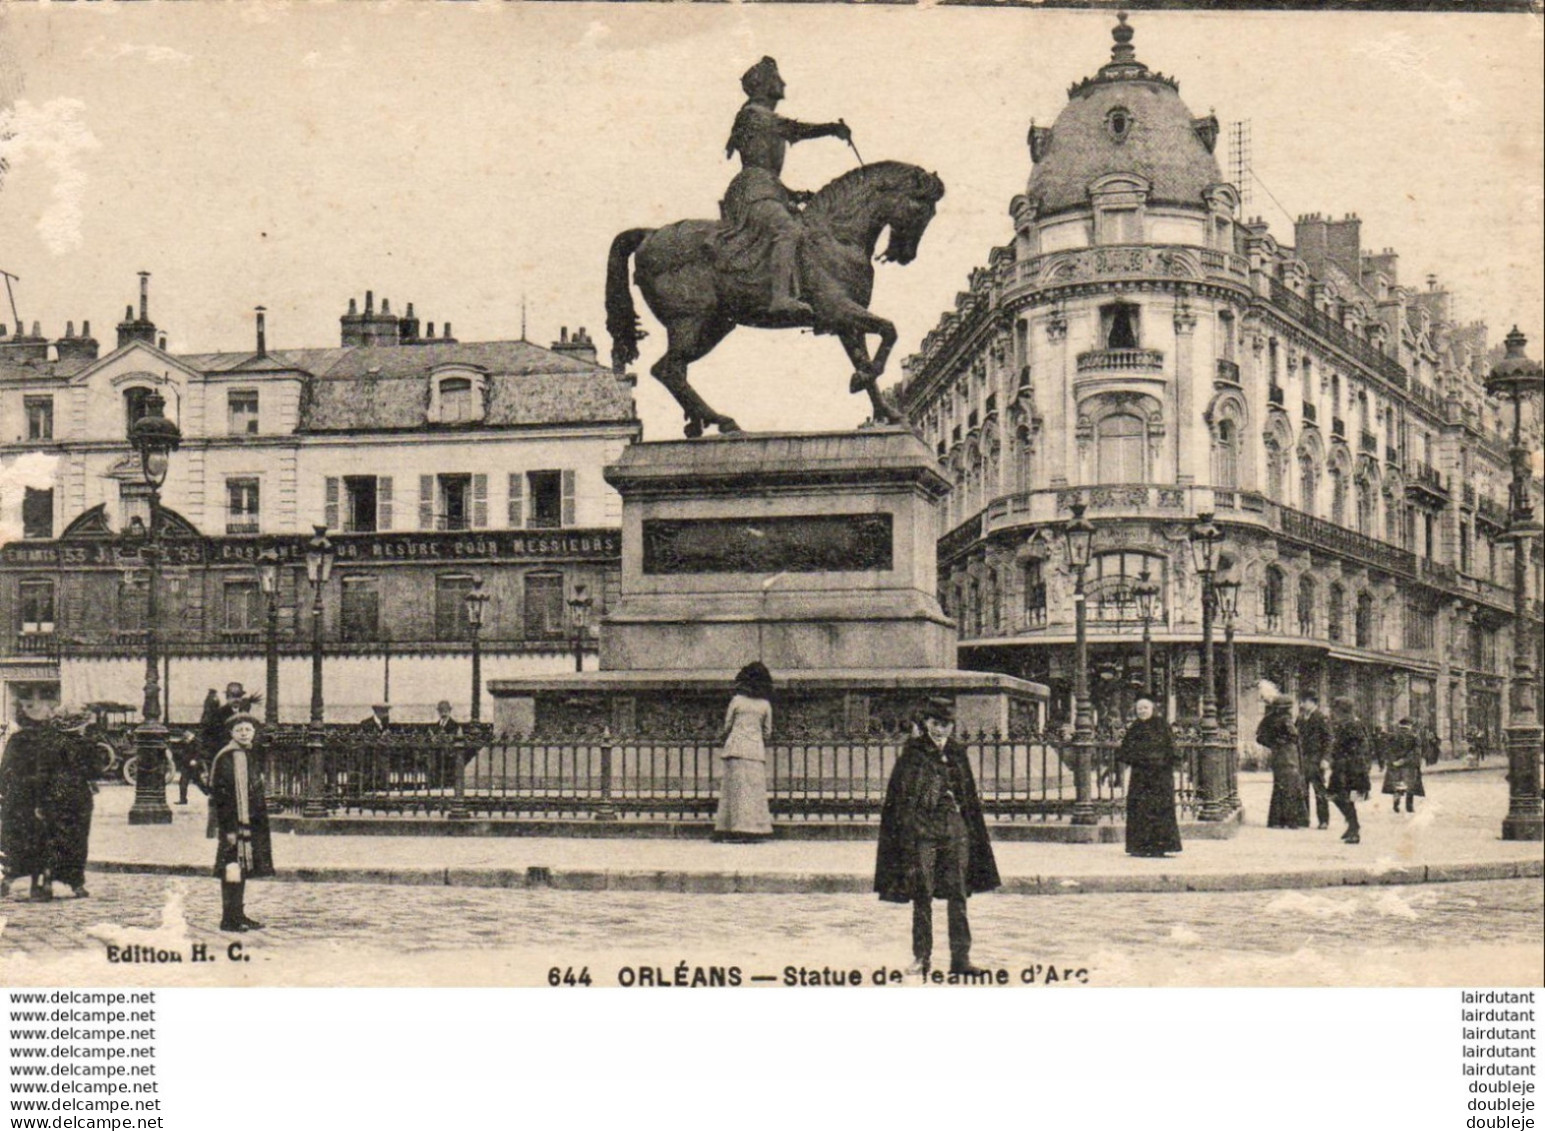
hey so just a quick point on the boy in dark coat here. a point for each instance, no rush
(933, 838)
(1349, 760)
(1314, 754)
(33, 758)
(241, 814)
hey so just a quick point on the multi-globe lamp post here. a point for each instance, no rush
(477, 602)
(154, 438)
(1516, 378)
(1146, 594)
(1078, 540)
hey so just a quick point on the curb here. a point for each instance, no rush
(836, 883)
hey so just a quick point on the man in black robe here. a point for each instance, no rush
(1314, 754)
(32, 760)
(933, 838)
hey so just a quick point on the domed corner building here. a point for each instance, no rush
(1142, 350)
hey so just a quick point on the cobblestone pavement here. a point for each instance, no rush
(1432, 934)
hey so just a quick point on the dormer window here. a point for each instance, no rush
(455, 400)
(456, 396)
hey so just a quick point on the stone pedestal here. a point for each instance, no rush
(814, 553)
(808, 552)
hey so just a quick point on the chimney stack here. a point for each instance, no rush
(140, 329)
(26, 347)
(370, 328)
(262, 336)
(578, 346)
(71, 348)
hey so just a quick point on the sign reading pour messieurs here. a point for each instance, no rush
(802, 544)
(467, 545)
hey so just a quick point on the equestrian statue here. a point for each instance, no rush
(777, 259)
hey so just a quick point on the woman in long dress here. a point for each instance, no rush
(1152, 827)
(1289, 793)
(241, 815)
(743, 815)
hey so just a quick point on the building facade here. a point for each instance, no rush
(1141, 349)
(434, 465)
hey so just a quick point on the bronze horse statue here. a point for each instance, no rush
(701, 279)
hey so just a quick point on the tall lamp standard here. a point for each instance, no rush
(1517, 379)
(268, 578)
(1078, 540)
(477, 601)
(155, 438)
(319, 567)
(1145, 592)
(1226, 592)
(1205, 537)
(579, 615)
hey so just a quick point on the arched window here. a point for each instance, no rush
(1335, 612)
(1338, 497)
(1110, 582)
(1366, 508)
(1276, 469)
(1308, 483)
(1363, 625)
(134, 406)
(1226, 455)
(1035, 593)
(1305, 605)
(1120, 325)
(1121, 449)
(1271, 599)
(994, 607)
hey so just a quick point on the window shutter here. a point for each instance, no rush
(426, 502)
(480, 502)
(517, 491)
(568, 497)
(330, 508)
(383, 502)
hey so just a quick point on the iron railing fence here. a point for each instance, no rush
(837, 778)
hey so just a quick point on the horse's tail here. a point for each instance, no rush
(621, 317)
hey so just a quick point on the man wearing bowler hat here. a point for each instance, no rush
(933, 840)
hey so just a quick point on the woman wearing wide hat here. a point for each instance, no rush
(241, 817)
(1289, 808)
(743, 814)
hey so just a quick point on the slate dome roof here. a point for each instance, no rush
(1126, 119)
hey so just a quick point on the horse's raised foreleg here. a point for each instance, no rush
(690, 339)
(858, 324)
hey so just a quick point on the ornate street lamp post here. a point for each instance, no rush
(1226, 591)
(155, 438)
(1205, 537)
(1078, 540)
(477, 601)
(1517, 379)
(579, 616)
(319, 567)
(268, 578)
(1146, 593)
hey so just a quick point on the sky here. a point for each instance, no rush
(477, 158)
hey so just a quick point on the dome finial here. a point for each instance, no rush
(1123, 51)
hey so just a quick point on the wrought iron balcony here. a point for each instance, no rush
(37, 644)
(1310, 413)
(1424, 477)
(1319, 533)
(1228, 371)
(243, 527)
(1121, 361)
(1489, 510)
(1338, 427)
